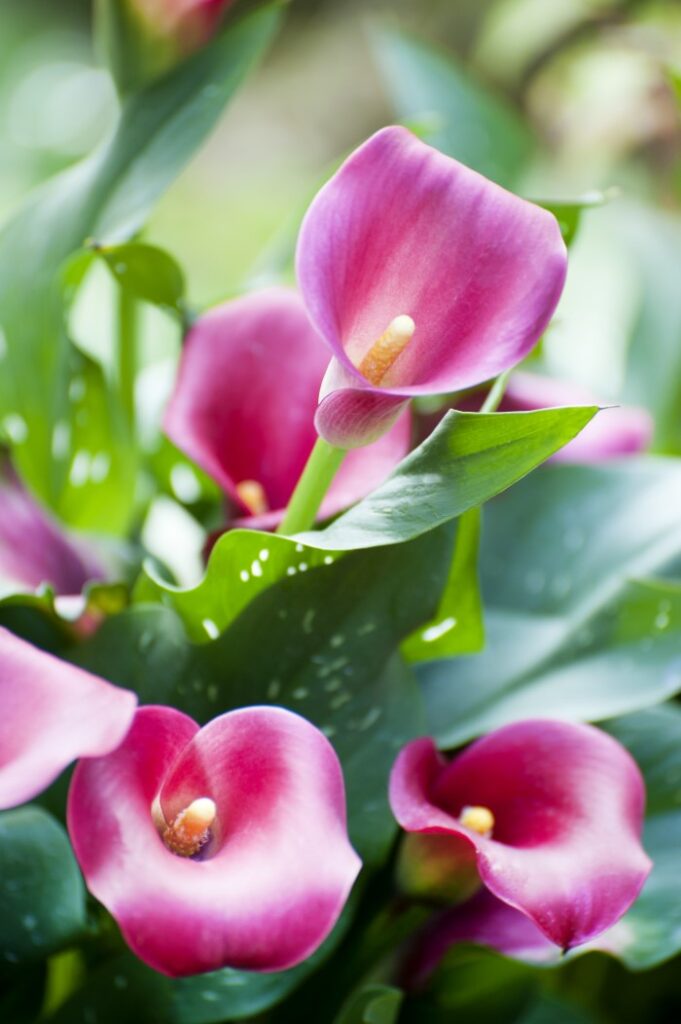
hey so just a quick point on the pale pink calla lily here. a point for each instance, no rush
(34, 549)
(244, 403)
(561, 807)
(275, 867)
(423, 278)
(50, 714)
(617, 431)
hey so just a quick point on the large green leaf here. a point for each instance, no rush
(372, 1004)
(475, 126)
(569, 632)
(469, 458)
(108, 196)
(321, 642)
(651, 931)
(43, 900)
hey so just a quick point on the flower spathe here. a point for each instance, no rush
(50, 714)
(34, 550)
(566, 805)
(422, 277)
(244, 402)
(271, 866)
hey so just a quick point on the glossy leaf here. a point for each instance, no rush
(475, 126)
(147, 272)
(569, 635)
(568, 212)
(43, 899)
(108, 197)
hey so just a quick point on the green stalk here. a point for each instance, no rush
(321, 468)
(496, 393)
(127, 353)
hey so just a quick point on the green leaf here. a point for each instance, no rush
(321, 642)
(570, 633)
(147, 272)
(43, 900)
(467, 459)
(651, 932)
(568, 212)
(372, 1004)
(476, 127)
(108, 197)
(457, 627)
(122, 989)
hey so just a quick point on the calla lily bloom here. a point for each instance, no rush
(422, 277)
(33, 547)
(220, 846)
(188, 24)
(243, 409)
(615, 432)
(552, 812)
(51, 713)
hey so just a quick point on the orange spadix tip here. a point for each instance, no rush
(191, 828)
(383, 353)
(477, 819)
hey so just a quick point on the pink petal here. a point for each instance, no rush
(33, 547)
(271, 883)
(403, 229)
(568, 805)
(244, 405)
(52, 713)
(484, 921)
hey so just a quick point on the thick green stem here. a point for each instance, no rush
(496, 393)
(127, 352)
(321, 468)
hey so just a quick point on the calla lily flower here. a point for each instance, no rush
(243, 409)
(615, 432)
(33, 547)
(552, 812)
(188, 24)
(422, 277)
(52, 713)
(220, 846)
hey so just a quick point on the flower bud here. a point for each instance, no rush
(437, 868)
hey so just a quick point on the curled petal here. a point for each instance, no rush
(33, 548)
(483, 921)
(567, 802)
(52, 713)
(402, 231)
(244, 404)
(273, 878)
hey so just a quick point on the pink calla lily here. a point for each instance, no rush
(552, 811)
(617, 431)
(188, 23)
(34, 549)
(51, 713)
(243, 408)
(423, 278)
(271, 869)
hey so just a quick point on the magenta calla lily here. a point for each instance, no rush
(552, 811)
(52, 713)
(243, 408)
(271, 870)
(34, 549)
(422, 277)
(617, 431)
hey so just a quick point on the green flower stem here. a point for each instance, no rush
(496, 393)
(127, 352)
(321, 468)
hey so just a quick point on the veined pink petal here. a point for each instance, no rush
(33, 548)
(51, 713)
(568, 804)
(270, 884)
(401, 230)
(244, 404)
(484, 921)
